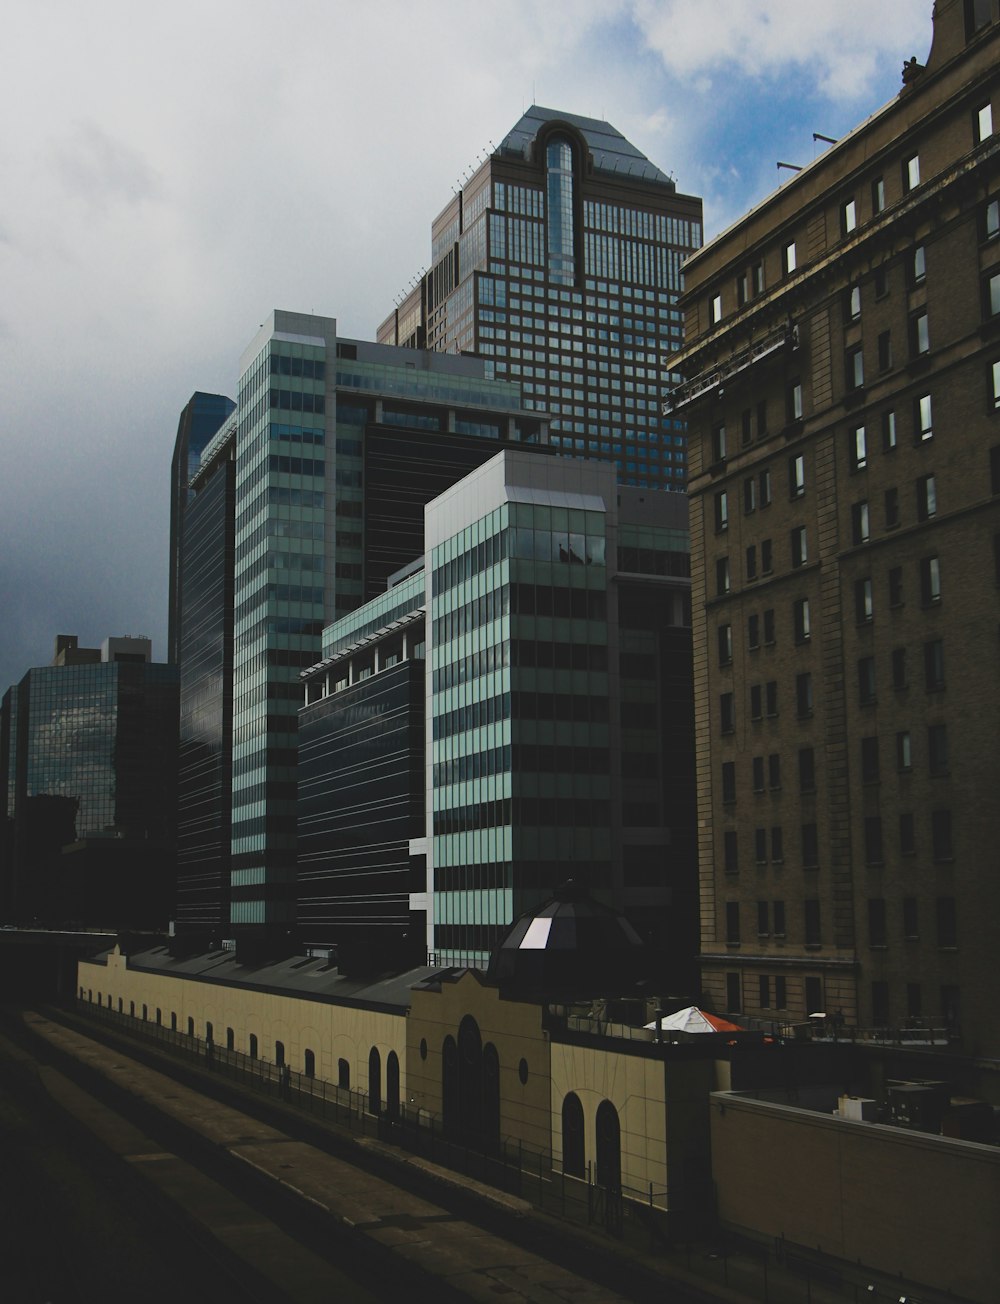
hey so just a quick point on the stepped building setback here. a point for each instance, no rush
(559, 263)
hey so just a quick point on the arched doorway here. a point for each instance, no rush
(609, 1147)
(392, 1084)
(470, 1078)
(374, 1081)
(574, 1145)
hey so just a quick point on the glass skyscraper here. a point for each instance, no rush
(559, 263)
(339, 444)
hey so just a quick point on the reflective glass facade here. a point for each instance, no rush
(559, 263)
(339, 445)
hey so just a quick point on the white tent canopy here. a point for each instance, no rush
(692, 1019)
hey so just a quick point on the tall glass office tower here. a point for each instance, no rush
(339, 445)
(559, 263)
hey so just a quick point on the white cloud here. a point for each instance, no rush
(842, 42)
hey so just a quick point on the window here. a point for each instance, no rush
(983, 123)
(880, 1002)
(715, 309)
(230, 1039)
(937, 750)
(777, 845)
(995, 386)
(769, 625)
(923, 417)
(765, 486)
(978, 14)
(991, 295)
(742, 289)
(344, 1074)
(774, 770)
(722, 576)
(891, 498)
(930, 580)
(864, 609)
(813, 926)
(852, 303)
(914, 1003)
(309, 1063)
(760, 846)
(797, 476)
(918, 265)
(721, 511)
(866, 681)
(749, 496)
(757, 278)
(859, 449)
(911, 173)
(907, 835)
(941, 844)
(727, 713)
(885, 350)
(778, 912)
(753, 632)
(869, 759)
(253, 1046)
(757, 767)
(793, 402)
(771, 697)
(888, 431)
(947, 932)
(904, 754)
(729, 781)
(895, 586)
(848, 216)
(279, 1053)
(876, 921)
(751, 560)
(730, 852)
(800, 548)
(718, 443)
(789, 258)
(803, 695)
(934, 665)
(926, 497)
(860, 528)
(873, 840)
(764, 992)
(725, 635)
(911, 919)
(854, 368)
(807, 769)
(878, 195)
(733, 923)
(990, 220)
(766, 559)
(800, 616)
(920, 339)
(810, 846)
(780, 993)
(899, 667)
(746, 427)
(756, 702)
(733, 1001)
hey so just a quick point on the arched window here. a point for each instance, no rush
(573, 1140)
(90, 995)
(145, 1014)
(230, 1039)
(279, 1053)
(190, 1027)
(109, 1000)
(131, 1008)
(120, 1010)
(559, 210)
(159, 1016)
(310, 1064)
(173, 1020)
(100, 999)
(344, 1074)
(209, 1035)
(609, 1146)
(470, 1078)
(392, 1084)
(491, 1096)
(253, 1045)
(374, 1081)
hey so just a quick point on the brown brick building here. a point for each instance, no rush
(842, 384)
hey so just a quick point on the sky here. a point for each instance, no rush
(172, 172)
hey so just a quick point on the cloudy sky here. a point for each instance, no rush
(171, 172)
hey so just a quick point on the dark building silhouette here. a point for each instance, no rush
(89, 774)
